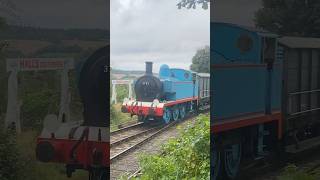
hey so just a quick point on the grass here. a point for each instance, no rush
(292, 172)
(120, 117)
(41, 171)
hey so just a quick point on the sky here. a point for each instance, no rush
(154, 30)
(65, 14)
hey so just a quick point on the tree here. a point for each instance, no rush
(201, 60)
(193, 3)
(2, 22)
(290, 17)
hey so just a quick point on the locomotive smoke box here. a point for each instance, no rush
(148, 68)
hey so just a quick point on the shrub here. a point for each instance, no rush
(186, 157)
(11, 166)
(291, 172)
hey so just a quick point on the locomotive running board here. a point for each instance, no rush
(303, 145)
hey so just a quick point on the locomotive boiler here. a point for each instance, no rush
(170, 96)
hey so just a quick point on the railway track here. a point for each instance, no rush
(127, 143)
(123, 144)
(127, 128)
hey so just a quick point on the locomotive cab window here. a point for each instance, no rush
(186, 75)
(172, 75)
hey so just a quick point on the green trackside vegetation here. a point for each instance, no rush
(184, 157)
(292, 172)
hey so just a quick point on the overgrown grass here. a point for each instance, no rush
(292, 172)
(34, 170)
(185, 157)
(117, 117)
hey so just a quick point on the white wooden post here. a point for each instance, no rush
(130, 90)
(114, 94)
(64, 112)
(13, 112)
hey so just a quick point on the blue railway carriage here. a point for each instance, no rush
(265, 96)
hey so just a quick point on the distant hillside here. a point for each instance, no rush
(126, 74)
(44, 34)
(119, 71)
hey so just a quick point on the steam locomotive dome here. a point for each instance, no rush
(148, 87)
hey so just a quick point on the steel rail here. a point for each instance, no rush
(124, 152)
(127, 128)
(112, 144)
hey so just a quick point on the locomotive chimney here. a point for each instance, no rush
(148, 68)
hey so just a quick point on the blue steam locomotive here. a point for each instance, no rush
(170, 96)
(266, 96)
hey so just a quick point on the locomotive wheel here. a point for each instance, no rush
(182, 110)
(175, 113)
(231, 160)
(98, 175)
(141, 119)
(166, 115)
(216, 159)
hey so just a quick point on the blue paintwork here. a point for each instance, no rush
(239, 90)
(177, 83)
(166, 115)
(224, 48)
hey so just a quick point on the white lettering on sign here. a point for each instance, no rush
(32, 64)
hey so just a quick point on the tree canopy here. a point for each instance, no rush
(201, 60)
(193, 4)
(2, 22)
(290, 17)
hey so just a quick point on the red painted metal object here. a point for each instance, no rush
(151, 109)
(244, 121)
(79, 147)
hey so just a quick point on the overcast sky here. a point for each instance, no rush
(154, 30)
(59, 13)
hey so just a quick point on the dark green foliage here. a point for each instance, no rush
(292, 172)
(37, 105)
(52, 35)
(290, 17)
(122, 92)
(114, 116)
(11, 164)
(3, 83)
(187, 157)
(201, 61)
(59, 48)
(13, 53)
(193, 4)
(3, 23)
